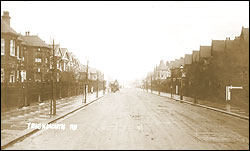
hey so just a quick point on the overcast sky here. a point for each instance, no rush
(126, 39)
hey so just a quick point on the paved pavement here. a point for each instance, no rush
(133, 119)
(13, 123)
(229, 107)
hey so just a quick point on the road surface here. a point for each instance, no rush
(133, 119)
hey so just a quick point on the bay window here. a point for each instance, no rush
(2, 46)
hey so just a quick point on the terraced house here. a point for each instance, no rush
(10, 52)
(38, 59)
(12, 67)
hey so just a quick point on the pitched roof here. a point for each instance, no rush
(205, 51)
(92, 70)
(218, 45)
(34, 41)
(70, 55)
(245, 33)
(57, 49)
(64, 52)
(5, 28)
(162, 66)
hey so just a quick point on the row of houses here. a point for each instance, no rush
(26, 60)
(206, 72)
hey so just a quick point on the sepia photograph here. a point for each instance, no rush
(124, 75)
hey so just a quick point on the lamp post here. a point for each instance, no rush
(53, 100)
(181, 95)
(86, 86)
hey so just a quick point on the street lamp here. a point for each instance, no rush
(181, 95)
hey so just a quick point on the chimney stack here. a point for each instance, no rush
(6, 17)
(27, 33)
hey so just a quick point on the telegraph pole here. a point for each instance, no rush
(97, 84)
(53, 101)
(86, 91)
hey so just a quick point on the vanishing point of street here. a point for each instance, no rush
(135, 119)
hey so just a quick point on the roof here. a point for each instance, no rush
(196, 56)
(34, 41)
(162, 66)
(205, 51)
(245, 33)
(64, 52)
(5, 28)
(92, 70)
(232, 44)
(70, 55)
(218, 45)
(57, 49)
(178, 62)
(171, 64)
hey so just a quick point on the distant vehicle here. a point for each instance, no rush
(114, 85)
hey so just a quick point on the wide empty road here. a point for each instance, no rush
(133, 119)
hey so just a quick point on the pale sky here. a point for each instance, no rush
(126, 39)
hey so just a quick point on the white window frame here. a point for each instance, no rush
(2, 46)
(57, 77)
(38, 60)
(12, 48)
(2, 75)
(17, 75)
(18, 52)
(12, 76)
(58, 65)
(23, 75)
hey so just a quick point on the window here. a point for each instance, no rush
(23, 75)
(46, 60)
(2, 46)
(38, 69)
(58, 66)
(38, 49)
(38, 60)
(12, 47)
(17, 75)
(12, 76)
(57, 77)
(2, 75)
(17, 52)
